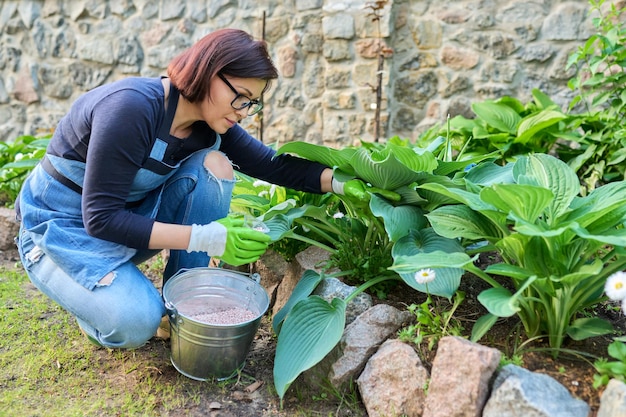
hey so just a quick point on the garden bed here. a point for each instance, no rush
(147, 371)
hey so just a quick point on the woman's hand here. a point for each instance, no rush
(358, 190)
(229, 240)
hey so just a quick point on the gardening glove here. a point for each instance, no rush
(358, 190)
(229, 240)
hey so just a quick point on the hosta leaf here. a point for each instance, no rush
(535, 123)
(305, 286)
(587, 327)
(459, 195)
(425, 249)
(525, 201)
(280, 208)
(310, 332)
(448, 167)
(21, 164)
(549, 172)
(392, 167)
(459, 221)
(508, 270)
(482, 326)
(617, 351)
(497, 115)
(398, 220)
(447, 281)
(488, 173)
(499, 302)
(603, 209)
(280, 227)
(424, 240)
(615, 237)
(328, 156)
(542, 99)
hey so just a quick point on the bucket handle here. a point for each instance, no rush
(172, 313)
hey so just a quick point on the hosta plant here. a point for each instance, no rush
(508, 128)
(557, 247)
(308, 327)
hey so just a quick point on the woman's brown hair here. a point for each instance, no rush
(231, 52)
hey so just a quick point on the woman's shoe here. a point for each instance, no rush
(163, 331)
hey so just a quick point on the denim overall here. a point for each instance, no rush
(66, 264)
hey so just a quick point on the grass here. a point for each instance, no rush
(48, 368)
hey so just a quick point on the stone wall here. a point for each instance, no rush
(441, 57)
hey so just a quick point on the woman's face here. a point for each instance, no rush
(217, 110)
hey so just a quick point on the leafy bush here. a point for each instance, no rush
(557, 247)
(507, 128)
(17, 159)
(601, 75)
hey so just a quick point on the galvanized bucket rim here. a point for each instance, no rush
(255, 278)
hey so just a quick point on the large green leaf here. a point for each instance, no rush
(459, 195)
(422, 249)
(488, 173)
(616, 237)
(549, 172)
(280, 227)
(499, 302)
(310, 332)
(305, 286)
(392, 167)
(497, 115)
(459, 221)
(328, 156)
(448, 167)
(398, 220)
(603, 209)
(22, 164)
(535, 123)
(526, 201)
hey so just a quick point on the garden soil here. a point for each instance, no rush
(253, 395)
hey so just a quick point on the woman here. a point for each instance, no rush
(145, 164)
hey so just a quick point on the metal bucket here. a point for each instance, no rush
(204, 351)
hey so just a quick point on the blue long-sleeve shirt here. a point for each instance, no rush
(112, 129)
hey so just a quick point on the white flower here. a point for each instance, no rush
(624, 305)
(615, 286)
(338, 215)
(424, 276)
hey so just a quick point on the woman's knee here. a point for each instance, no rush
(219, 165)
(132, 309)
(132, 327)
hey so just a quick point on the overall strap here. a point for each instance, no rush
(172, 103)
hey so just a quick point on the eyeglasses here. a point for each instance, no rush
(241, 102)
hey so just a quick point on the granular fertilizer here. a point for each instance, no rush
(232, 315)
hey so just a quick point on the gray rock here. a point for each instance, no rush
(518, 392)
(394, 381)
(613, 401)
(460, 377)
